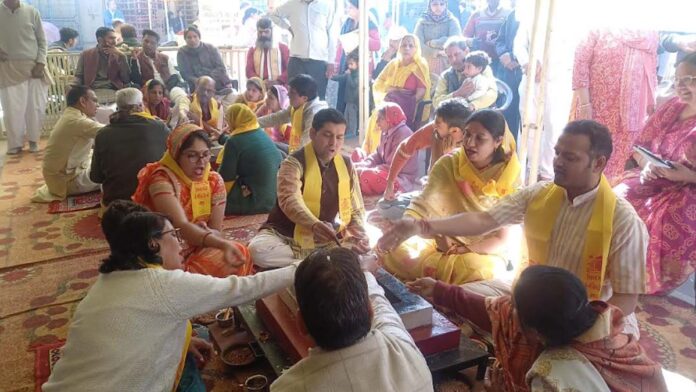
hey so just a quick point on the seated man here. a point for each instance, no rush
(319, 202)
(197, 59)
(153, 64)
(103, 68)
(268, 60)
(205, 110)
(362, 343)
(122, 148)
(304, 104)
(575, 222)
(452, 84)
(67, 159)
(68, 40)
(439, 136)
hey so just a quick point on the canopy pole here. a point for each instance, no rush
(364, 69)
(541, 100)
(531, 75)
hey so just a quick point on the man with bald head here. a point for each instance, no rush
(205, 110)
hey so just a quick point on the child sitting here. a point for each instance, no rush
(255, 94)
(276, 100)
(474, 64)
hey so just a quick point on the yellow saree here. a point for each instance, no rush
(395, 75)
(455, 186)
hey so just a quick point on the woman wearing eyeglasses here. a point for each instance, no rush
(664, 197)
(184, 188)
(434, 28)
(132, 331)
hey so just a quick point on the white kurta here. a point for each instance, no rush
(386, 359)
(22, 98)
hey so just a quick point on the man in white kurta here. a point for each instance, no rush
(23, 80)
(581, 154)
(68, 154)
(384, 359)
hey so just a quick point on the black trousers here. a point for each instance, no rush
(314, 68)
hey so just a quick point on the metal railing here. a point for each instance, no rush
(62, 67)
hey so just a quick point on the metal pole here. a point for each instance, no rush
(166, 19)
(531, 74)
(364, 53)
(541, 101)
(149, 13)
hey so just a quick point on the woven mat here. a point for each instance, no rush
(85, 201)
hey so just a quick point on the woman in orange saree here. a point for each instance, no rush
(183, 187)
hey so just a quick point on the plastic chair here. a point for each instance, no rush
(504, 96)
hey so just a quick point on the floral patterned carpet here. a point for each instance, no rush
(48, 262)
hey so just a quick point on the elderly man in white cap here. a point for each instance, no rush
(131, 140)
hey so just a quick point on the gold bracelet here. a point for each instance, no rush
(204, 237)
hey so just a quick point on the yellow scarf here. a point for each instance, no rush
(539, 222)
(187, 343)
(145, 114)
(241, 120)
(312, 195)
(214, 112)
(395, 74)
(297, 122)
(201, 194)
(492, 188)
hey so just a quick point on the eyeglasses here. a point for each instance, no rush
(195, 157)
(684, 80)
(175, 232)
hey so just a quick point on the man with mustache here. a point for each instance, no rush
(103, 68)
(575, 222)
(454, 84)
(267, 60)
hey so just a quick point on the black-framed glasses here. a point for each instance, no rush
(175, 232)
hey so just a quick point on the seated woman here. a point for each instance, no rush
(405, 81)
(255, 94)
(473, 178)
(183, 187)
(664, 197)
(132, 331)
(277, 99)
(549, 337)
(374, 169)
(249, 164)
(154, 101)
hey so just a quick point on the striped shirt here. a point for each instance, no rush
(629, 241)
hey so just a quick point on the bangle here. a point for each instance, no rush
(204, 237)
